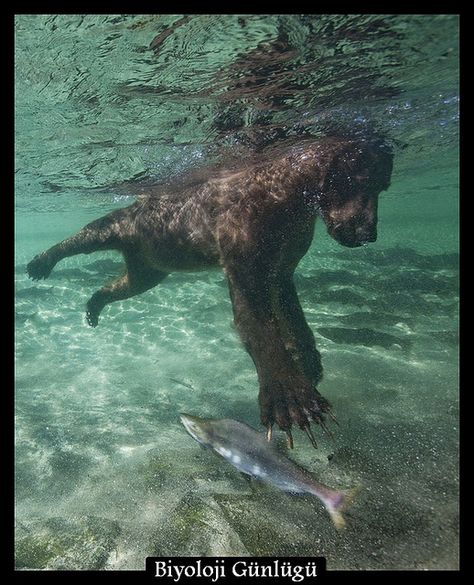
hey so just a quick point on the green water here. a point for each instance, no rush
(105, 473)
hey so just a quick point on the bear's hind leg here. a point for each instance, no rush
(136, 280)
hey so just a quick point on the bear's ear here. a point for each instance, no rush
(337, 162)
(378, 160)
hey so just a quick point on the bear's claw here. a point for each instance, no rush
(40, 267)
(286, 406)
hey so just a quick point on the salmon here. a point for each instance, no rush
(249, 451)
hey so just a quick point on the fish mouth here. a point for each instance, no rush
(195, 427)
(188, 421)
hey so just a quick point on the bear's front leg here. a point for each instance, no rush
(287, 393)
(41, 265)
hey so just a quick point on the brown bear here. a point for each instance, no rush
(255, 219)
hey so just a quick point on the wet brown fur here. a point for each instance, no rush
(255, 220)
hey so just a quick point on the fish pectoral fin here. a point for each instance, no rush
(246, 476)
(254, 482)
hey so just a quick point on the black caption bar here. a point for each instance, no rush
(223, 569)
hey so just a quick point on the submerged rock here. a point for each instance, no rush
(57, 543)
(273, 523)
(197, 527)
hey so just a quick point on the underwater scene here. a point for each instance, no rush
(106, 474)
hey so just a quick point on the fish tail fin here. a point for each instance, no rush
(338, 501)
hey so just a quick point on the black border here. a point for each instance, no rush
(8, 235)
